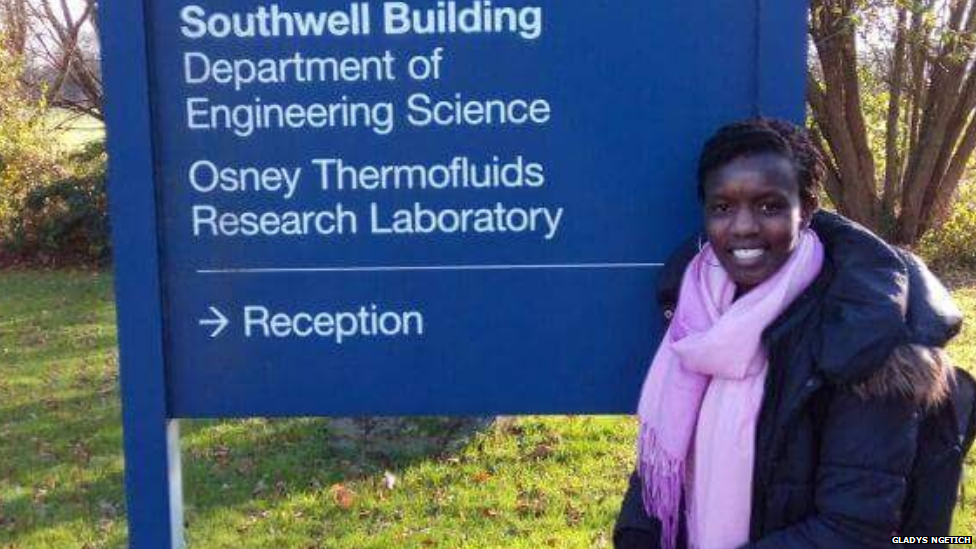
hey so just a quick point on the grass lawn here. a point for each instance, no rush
(76, 129)
(526, 482)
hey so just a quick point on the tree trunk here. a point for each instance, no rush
(935, 141)
(892, 177)
(838, 111)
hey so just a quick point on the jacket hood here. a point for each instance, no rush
(918, 368)
(885, 317)
(865, 303)
(933, 317)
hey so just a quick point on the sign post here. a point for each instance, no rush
(406, 207)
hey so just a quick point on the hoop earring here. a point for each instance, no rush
(701, 246)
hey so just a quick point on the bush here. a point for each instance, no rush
(64, 221)
(52, 205)
(954, 244)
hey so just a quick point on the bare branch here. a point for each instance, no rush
(832, 181)
(72, 81)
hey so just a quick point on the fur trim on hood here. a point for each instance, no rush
(920, 373)
(919, 369)
(887, 319)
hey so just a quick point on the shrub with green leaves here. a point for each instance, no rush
(28, 155)
(52, 204)
(65, 221)
(954, 244)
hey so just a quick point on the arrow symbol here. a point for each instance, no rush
(220, 321)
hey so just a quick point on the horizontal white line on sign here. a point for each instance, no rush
(383, 268)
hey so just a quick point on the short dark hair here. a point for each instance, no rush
(764, 135)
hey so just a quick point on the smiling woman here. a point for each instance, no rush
(754, 216)
(755, 207)
(776, 412)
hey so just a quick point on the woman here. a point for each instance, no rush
(782, 408)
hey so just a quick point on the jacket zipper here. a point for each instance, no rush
(809, 388)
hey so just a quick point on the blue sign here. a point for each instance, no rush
(406, 207)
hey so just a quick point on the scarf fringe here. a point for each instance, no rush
(662, 478)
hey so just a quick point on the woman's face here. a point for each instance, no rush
(753, 216)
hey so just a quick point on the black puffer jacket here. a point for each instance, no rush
(849, 371)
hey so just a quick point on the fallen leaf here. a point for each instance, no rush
(542, 451)
(573, 515)
(481, 476)
(221, 455)
(344, 497)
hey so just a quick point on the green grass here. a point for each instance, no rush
(75, 130)
(963, 351)
(60, 464)
(525, 482)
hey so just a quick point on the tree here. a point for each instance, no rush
(13, 26)
(903, 182)
(61, 45)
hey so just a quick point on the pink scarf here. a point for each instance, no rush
(706, 382)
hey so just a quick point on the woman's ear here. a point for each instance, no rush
(809, 206)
